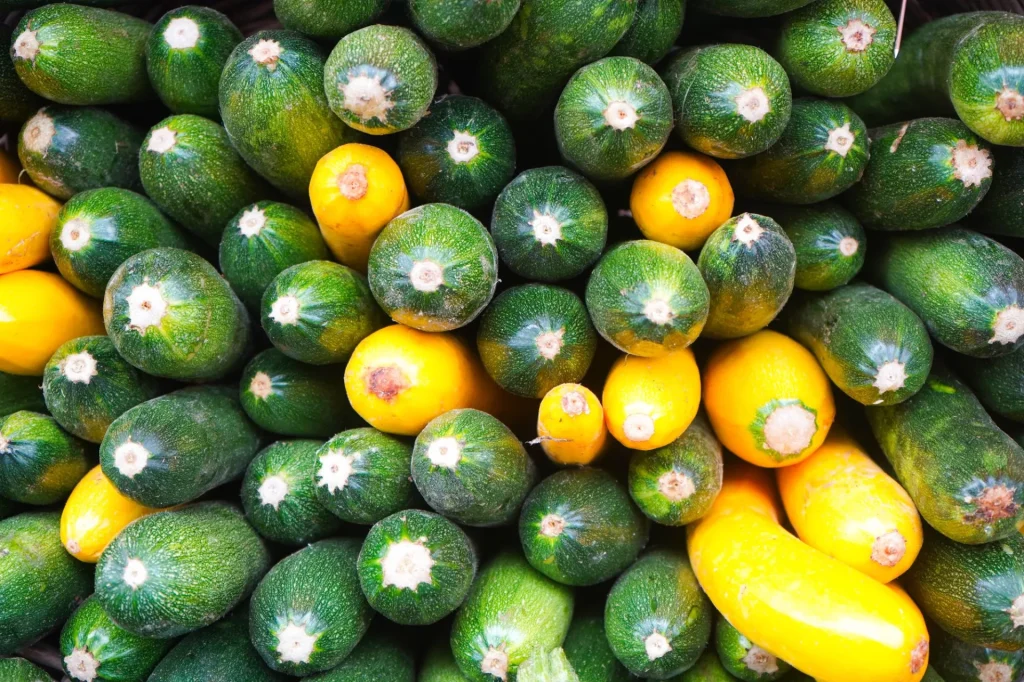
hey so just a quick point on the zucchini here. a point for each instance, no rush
(962, 662)
(997, 383)
(328, 19)
(379, 655)
(462, 24)
(40, 462)
(20, 670)
(829, 244)
(587, 650)
(439, 664)
(709, 668)
(747, 8)
(19, 102)
(655, 28)
(20, 393)
(743, 658)
(547, 666)
(570, 425)
(999, 212)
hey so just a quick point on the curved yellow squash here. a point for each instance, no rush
(827, 619)
(27, 217)
(570, 425)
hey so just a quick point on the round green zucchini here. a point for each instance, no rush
(19, 670)
(381, 656)
(1000, 211)
(747, 9)
(744, 659)
(997, 383)
(461, 24)
(588, 651)
(40, 463)
(961, 662)
(19, 102)
(654, 30)
(328, 19)
(439, 664)
(20, 393)
(829, 243)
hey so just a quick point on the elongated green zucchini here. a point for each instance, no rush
(654, 30)
(19, 670)
(382, 654)
(328, 19)
(829, 243)
(997, 383)
(19, 102)
(747, 8)
(1000, 210)
(587, 649)
(462, 24)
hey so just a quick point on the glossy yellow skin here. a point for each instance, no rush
(27, 217)
(39, 311)
(827, 619)
(748, 379)
(681, 198)
(355, 191)
(9, 168)
(570, 425)
(641, 393)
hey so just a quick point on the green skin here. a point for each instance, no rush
(201, 181)
(89, 149)
(523, 70)
(278, 119)
(965, 475)
(637, 285)
(588, 651)
(20, 670)
(1001, 212)
(547, 666)
(511, 613)
(958, 282)
(431, 237)
(733, 648)
(461, 24)
(435, 174)
(40, 583)
(525, 244)
(85, 402)
(822, 153)
(535, 337)
(749, 283)
(114, 225)
(439, 665)
(187, 78)
(295, 518)
(676, 484)
(179, 466)
(655, 28)
(86, 56)
(453, 564)
(812, 49)
(19, 102)
(40, 463)
(717, 94)
(489, 481)
(316, 591)
(362, 475)
(204, 332)
(20, 393)
(709, 668)
(857, 332)
(747, 8)
(328, 19)
(585, 137)
(401, 65)
(929, 676)
(962, 662)
(817, 233)
(378, 656)
(996, 382)
(579, 527)
(658, 596)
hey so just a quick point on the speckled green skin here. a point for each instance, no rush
(654, 30)
(90, 149)
(380, 655)
(40, 583)
(602, 531)
(962, 662)
(631, 277)
(20, 670)
(439, 664)
(86, 408)
(119, 224)
(747, 8)
(708, 668)
(335, 312)
(958, 282)
(588, 651)
(748, 284)
(86, 55)
(659, 593)
(569, 199)
(547, 666)
(453, 567)
(434, 174)
(524, 68)
(929, 676)
(400, 63)
(516, 329)
(732, 646)
(489, 482)
(40, 462)
(201, 181)
(997, 383)
(445, 237)
(20, 393)
(180, 430)
(298, 518)
(705, 82)
(328, 19)
(1001, 212)
(186, 79)
(316, 589)
(461, 24)
(278, 119)
(811, 161)
(19, 101)
(811, 46)
(817, 233)
(854, 331)
(205, 330)
(511, 608)
(587, 141)
(947, 452)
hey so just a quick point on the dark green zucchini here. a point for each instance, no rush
(962, 662)
(40, 463)
(709, 668)
(652, 34)
(20, 393)
(461, 24)
(587, 650)
(998, 383)
(747, 8)
(20, 670)
(744, 659)
(547, 666)
(328, 19)
(829, 243)
(380, 656)
(1001, 212)
(19, 102)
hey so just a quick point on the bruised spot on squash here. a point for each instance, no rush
(996, 502)
(919, 656)
(899, 138)
(385, 382)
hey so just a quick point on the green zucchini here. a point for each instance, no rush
(962, 662)
(1001, 211)
(416, 567)
(747, 8)
(279, 495)
(829, 243)
(380, 656)
(647, 298)
(69, 150)
(998, 383)
(709, 668)
(316, 312)
(588, 651)
(965, 475)
(158, 453)
(20, 393)
(308, 613)
(655, 28)
(328, 19)
(657, 619)
(190, 169)
(549, 224)
(461, 24)
(82, 55)
(749, 266)
(439, 664)
(744, 659)
(462, 153)
(470, 467)
(535, 337)
(185, 55)
(730, 101)
(433, 268)
(40, 463)
(380, 79)
(20, 670)
(547, 666)
(579, 527)
(19, 102)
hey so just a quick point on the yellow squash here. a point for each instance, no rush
(10, 169)
(828, 620)
(570, 425)
(356, 190)
(27, 217)
(768, 399)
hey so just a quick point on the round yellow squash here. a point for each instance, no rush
(27, 217)
(570, 425)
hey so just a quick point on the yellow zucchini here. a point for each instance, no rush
(27, 217)
(570, 425)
